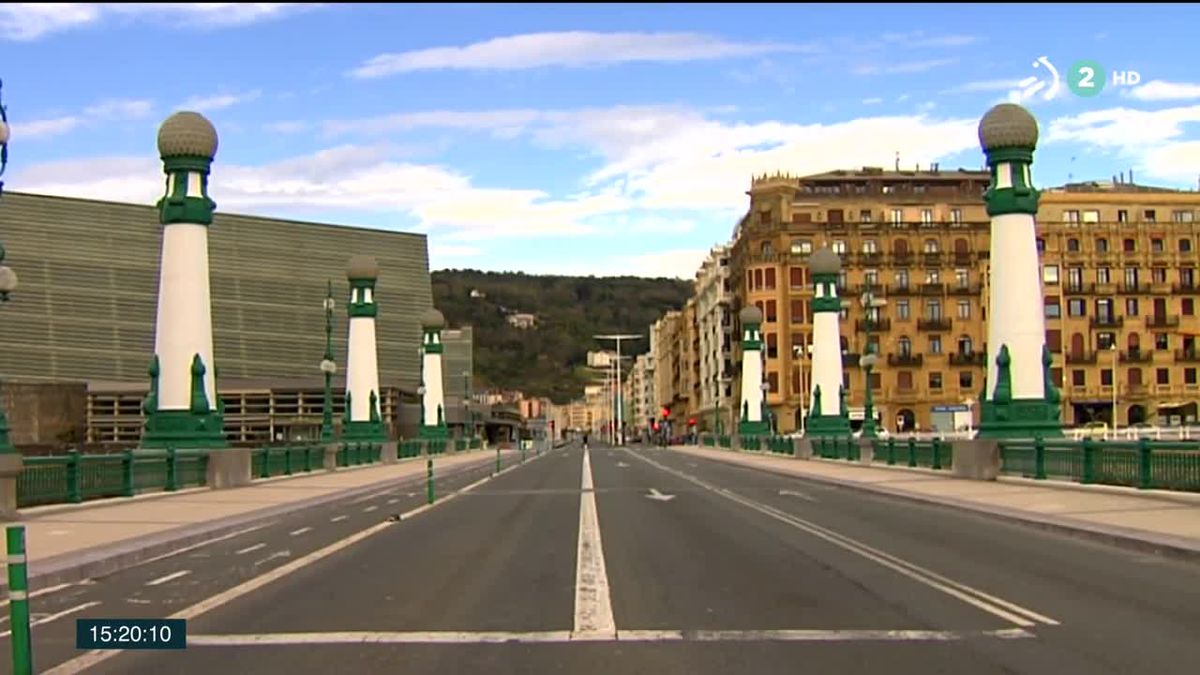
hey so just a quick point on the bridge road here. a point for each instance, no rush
(648, 561)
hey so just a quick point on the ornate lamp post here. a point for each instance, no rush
(871, 306)
(467, 404)
(328, 367)
(8, 278)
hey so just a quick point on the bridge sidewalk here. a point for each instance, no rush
(76, 541)
(1154, 520)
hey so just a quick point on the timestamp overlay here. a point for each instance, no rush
(126, 634)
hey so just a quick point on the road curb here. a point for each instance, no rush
(103, 560)
(1128, 538)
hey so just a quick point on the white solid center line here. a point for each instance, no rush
(300, 531)
(170, 577)
(338, 519)
(370, 509)
(248, 549)
(59, 615)
(593, 603)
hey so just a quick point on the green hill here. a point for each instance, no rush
(549, 360)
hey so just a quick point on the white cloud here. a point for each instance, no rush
(438, 252)
(1161, 90)
(678, 263)
(673, 263)
(875, 100)
(107, 110)
(287, 127)
(902, 67)
(219, 101)
(344, 179)
(30, 21)
(568, 49)
(920, 39)
(1153, 139)
(984, 85)
(500, 121)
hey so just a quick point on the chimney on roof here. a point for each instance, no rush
(1122, 182)
(1131, 177)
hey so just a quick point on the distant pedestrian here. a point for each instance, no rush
(585, 440)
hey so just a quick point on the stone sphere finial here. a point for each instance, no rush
(751, 315)
(1008, 125)
(187, 134)
(824, 261)
(433, 319)
(363, 267)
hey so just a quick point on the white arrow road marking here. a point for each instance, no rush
(655, 494)
(793, 493)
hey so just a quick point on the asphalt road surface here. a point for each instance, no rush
(647, 561)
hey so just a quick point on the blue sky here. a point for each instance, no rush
(585, 139)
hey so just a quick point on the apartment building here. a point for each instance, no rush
(1118, 267)
(714, 325)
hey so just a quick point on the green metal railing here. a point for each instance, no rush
(75, 477)
(932, 454)
(357, 454)
(410, 448)
(476, 444)
(460, 444)
(286, 460)
(1144, 464)
(725, 441)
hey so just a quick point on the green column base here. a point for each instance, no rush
(184, 429)
(434, 433)
(827, 425)
(364, 431)
(759, 428)
(1019, 418)
(6, 446)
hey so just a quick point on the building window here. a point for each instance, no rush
(773, 382)
(1071, 217)
(1091, 217)
(864, 216)
(1079, 378)
(1187, 277)
(1131, 306)
(905, 345)
(796, 277)
(964, 344)
(842, 280)
(770, 278)
(1041, 245)
(1050, 274)
(1105, 340)
(1075, 278)
(870, 246)
(1158, 275)
(1072, 244)
(897, 216)
(935, 344)
(933, 277)
(964, 309)
(1189, 376)
(1122, 216)
(902, 278)
(1106, 377)
(1129, 245)
(771, 314)
(962, 278)
(933, 310)
(935, 381)
(1102, 245)
(1103, 276)
(1156, 245)
(766, 248)
(797, 311)
(1187, 307)
(772, 346)
(839, 246)
(802, 246)
(926, 216)
(1150, 216)
(904, 380)
(1104, 309)
(1053, 309)
(758, 279)
(1181, 216)
(1131, 277)
(902, 312)
(966, 380)
(1076, 307)
(956, 216)
(931, 245)
(871, 277)
(1185, 245)
(1162, 342)
(1163, 375)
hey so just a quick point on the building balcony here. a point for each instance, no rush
(879, 326)
(1134, 289)
(962, 258)
(933, 289)
(906, 360)
(1162, 321)
(871, 288)
(1078, 288)
(1105, 288)
(939, 325)
(932, 258)
(902, 259)
(1160, 288)
(1136, 390)
(870, 259)
(967, 358)
(901, 289)
(1107, 321)
(1136, 356)
(1187, 355)
(1185, 289)
(965, 289)
(1081, 357)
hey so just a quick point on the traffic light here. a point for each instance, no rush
(666, 412)
(691, 421)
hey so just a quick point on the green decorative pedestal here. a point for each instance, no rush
(364, 432)
(1003, 416)
(759, 428)
(827, 425)
(197, 427)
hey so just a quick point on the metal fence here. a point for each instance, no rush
(1144, 464)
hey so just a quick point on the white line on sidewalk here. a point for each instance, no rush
(59, 615)
(248, 549)
(296, 533)
(593, 603)
(94, 657)
(1008, 611)
(338, 519)
(494, 637)
(170, 577)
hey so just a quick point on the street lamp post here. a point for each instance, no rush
(871, 306)
(767, 415)
(618, 416)
(1115, 355)
(467, 404)
(8, 278)
(328, 367)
